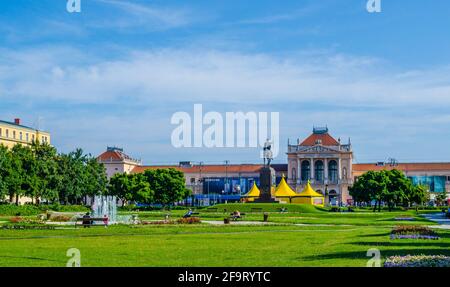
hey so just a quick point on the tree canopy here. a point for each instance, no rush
(389, 186)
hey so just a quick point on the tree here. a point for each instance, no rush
(121, 186)
(420, 195)
(389, 186)
(398, 187)
(45, 175)
(169, 185)
(95, 177)
(5, 166)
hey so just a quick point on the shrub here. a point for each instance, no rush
(21, 210)
(418, 261)
(189, 220)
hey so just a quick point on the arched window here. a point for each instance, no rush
(318, 170)
(306, 170)
(333, 171)
(294, 174)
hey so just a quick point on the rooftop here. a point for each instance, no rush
(115, 154)
(320, 136)
(14, 125)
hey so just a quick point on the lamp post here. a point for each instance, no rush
(226, 175)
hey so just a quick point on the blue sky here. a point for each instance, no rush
(116, 72)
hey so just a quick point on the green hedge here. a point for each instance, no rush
(28, 209)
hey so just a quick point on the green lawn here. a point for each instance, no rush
(342, 240)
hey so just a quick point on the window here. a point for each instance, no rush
(0, 132)
(32, 138)
(333, 171)
(27, 137)
(7, 133)
(192, 180)
(306, 170)
(14, 134)
(318, 170)
(20, 136)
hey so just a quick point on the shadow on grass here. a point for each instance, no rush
(375, 234)
(399, 243)
(31, 258)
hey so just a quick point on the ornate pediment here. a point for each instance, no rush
(318, 149)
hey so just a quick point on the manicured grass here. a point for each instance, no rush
(267, 207)
(342, 241)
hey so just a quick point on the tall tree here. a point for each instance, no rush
(168, 184)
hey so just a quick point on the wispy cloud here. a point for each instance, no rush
(131, 14)
(358, 95)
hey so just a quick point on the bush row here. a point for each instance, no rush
(28, 209)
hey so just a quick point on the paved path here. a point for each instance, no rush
(444, 223)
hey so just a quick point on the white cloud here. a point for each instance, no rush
(144, 16)
(199, 75)
(129, 101)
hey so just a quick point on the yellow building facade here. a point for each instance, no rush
(12, 133)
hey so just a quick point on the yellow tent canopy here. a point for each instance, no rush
(283, 190)
(308, 191)
(254, 191)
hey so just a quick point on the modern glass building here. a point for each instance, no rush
(435, 183)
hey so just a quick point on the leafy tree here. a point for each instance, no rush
(44, 176)
(167, 184)
(5, 166)
(420, 195)
(121, 186)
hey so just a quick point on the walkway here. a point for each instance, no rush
(438, 217)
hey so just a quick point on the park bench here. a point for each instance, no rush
(91, 221)
(256, 209)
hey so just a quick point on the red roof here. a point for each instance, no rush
(426, 166)
(247, 168)
(113, 155)
(325, 139)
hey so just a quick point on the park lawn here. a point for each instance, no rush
(384, 218)
(206, 245)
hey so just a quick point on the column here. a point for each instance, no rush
(325, 170)
(312, 169)
(339, 170)
(298, 171)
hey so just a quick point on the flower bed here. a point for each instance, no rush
(189, 220)
(418, 261)
(413, 232)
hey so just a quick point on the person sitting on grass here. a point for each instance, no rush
(188, 214)
(236, 215)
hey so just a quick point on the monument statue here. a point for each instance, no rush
(267, 152)
(267, 175)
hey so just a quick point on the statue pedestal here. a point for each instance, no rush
(267, 181)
